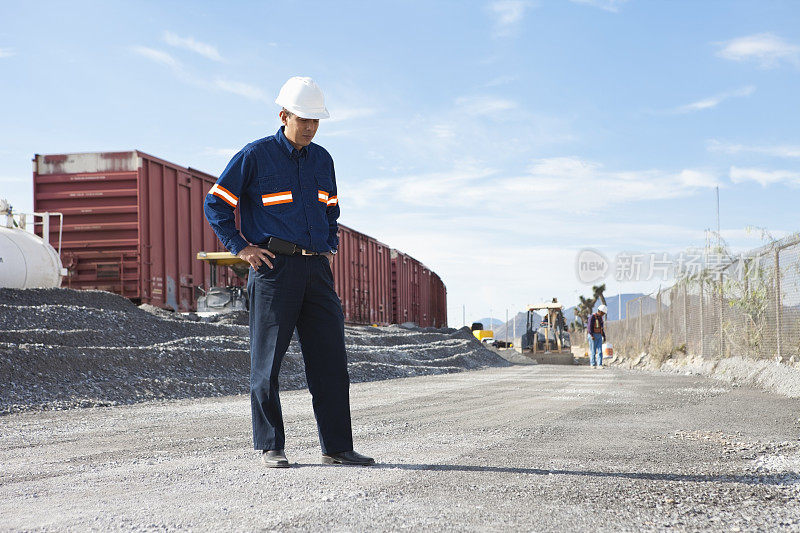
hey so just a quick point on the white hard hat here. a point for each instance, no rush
(603, 309)
(303, 97)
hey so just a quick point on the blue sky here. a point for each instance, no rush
(491, 140)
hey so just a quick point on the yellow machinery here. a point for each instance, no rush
(550, 334)
(214, 259)
(481, 334)
(546, 339)
(223, 299)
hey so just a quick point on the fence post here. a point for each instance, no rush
(641, 334)
(657, 318)
(721, 316)
(685, 318)
(778, 301)
(702, 320)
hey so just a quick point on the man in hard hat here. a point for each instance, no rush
(285, 188)
(597, 336)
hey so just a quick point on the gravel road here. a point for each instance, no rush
(547, 448)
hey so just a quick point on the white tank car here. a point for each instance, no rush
(26, 260)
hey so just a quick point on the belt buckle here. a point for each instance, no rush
(306, 252)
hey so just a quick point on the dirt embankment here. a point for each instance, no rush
(61, 348)
(773, 376)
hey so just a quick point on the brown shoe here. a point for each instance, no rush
(274, 459)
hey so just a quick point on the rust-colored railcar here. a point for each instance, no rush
(133, 224)
(438, 301)
(362, 275)
(418, 295)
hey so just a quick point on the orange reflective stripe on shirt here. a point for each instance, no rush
(223, 193)
(322, 196)
(277, 198)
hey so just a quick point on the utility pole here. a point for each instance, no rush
(491, 321)
(719, 237)
(463, 315)
(514, 326)
(506, 326)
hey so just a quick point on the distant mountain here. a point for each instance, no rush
(488, 323)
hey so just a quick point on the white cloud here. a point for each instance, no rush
(781, 150)
(340, 114)
(501, 80)
(590, 187)
(764, 177)
(188, 43)
(766, 49)
(695, 178)
(606, 5)
(507, 16)
(714, 101)
(157, 56)
(7, 52)
(554, 185)
(242, 89)
(246, 90)
(483, 105)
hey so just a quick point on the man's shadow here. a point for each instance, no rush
(788, 478)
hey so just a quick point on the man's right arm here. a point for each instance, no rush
(220, 205)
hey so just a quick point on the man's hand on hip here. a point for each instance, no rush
(329, 256)
(255, 256)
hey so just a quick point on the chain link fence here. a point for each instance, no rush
(747, 306)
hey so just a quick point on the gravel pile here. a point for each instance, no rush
(61, 348)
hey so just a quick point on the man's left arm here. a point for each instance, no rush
(333, 216)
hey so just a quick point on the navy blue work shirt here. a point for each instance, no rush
(280, 192)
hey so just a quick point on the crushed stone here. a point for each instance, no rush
(63, 348)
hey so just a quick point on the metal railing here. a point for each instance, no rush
(747, 306)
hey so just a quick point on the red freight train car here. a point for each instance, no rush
(418, 295)
(362, 272)
(438, 300)
(133, 224)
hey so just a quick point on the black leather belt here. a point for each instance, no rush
(279, 246)
(301, 251)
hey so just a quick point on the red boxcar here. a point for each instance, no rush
(438, 300)
(418, 295)
(133, 224)
(362, 272)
